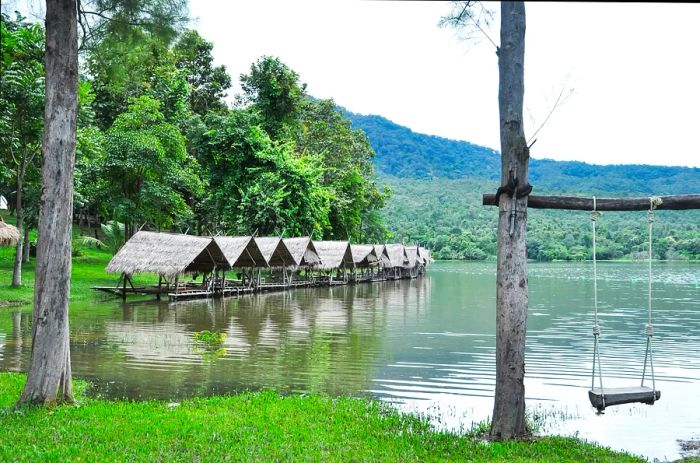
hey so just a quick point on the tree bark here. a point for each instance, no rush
(19, 211)
(26, 246)
(49, 377)
(511, 281)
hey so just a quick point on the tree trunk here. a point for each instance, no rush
(49, 377)
(26, 245)
(17, 269)
(511, 282)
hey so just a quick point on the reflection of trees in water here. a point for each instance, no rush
(314, 339)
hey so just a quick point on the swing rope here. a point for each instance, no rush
(654, 202)
(595, 214)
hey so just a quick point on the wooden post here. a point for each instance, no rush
(677, 202)
(160, 280)
(511, 280)
(124, 287)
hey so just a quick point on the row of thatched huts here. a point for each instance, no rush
(229, 265)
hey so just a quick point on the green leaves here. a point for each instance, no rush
(152, 174)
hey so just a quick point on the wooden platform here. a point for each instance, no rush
(622, 395)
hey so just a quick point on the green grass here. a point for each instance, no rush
(256, 427)
(88, 271)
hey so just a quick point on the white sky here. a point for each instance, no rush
(634, 70)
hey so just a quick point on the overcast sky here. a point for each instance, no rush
(634, 70)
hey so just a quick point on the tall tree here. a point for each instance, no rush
(21, 123)
(208, 83)
(511, 278)
(150, 174)
(49, 376)
(275, 91)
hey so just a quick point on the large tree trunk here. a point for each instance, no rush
(17, 269)
(49, 376)
(511, 281)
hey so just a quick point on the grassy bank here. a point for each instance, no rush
(257, 427)
(88, 271)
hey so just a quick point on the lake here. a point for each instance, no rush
(425, 345)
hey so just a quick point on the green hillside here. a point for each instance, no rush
(438, 184)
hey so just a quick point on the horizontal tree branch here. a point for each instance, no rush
(576, 203)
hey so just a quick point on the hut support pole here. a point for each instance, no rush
(124, 286)
(160, 282)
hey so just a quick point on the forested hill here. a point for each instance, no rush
(438, 183)
(400, 152)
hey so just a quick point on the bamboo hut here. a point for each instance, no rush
(384, 263)
(335, 255)
(242, 252)
(277, 256)
(9, 234)
(304, 255)
(169, 256)
(397, 260)
(364, 258)
(410, 270)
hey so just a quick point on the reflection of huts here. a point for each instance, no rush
(364, 259)
(242, 253)
(9, 234)
(304, 256)
(397, 260)
(335, 255)
(169, 256)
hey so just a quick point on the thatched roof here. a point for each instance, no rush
(302, 250)
(167, 254)
(412, 255)
(275, 252)
(363, 255)
(334, 254)
(380, 252)
(241, 251)
(9, 234)
(424, 255)
(397, 255)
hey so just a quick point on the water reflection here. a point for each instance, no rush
(425, 345)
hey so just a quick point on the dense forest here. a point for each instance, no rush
(437, 185)
(160, 148)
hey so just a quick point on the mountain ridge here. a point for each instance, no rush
(403, 153)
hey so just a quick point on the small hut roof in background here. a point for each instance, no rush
(380, 251)
(241, 251)
(363, 254)
(275, 252)
(424, 255)
(302, 250)
(397, 255)
(334, 254)
(412, 255)
(167, 254)
(9, 234)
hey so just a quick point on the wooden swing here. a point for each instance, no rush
(604, 397)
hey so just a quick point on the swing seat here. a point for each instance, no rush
(622, 395)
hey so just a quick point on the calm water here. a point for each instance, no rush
(425, 345)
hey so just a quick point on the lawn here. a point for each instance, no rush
(255, 427)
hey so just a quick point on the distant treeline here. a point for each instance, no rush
(438, 183)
